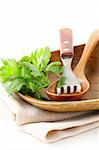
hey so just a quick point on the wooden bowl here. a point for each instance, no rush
(90, 101)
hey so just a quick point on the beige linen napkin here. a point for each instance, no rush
(44, 125)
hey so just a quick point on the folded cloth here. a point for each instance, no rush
(44, 125)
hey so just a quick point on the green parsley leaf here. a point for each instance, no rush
(41, 58)
(14, 85)
(55, 68)
(29, 75)
(61, 82)
(8, 70)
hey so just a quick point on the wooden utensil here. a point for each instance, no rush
(79, 72)
(90, 101)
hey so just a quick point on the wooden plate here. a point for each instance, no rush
(90, 101)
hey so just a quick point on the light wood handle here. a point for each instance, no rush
(89, 47)
(66, 43)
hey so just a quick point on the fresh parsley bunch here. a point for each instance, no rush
(29, 75)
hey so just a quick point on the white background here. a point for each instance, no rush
(28, 24)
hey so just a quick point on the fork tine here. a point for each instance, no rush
(71, 89)
(58, 91)
(78, 88)
(65, 89)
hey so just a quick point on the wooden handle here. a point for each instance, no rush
(89, 47)
(66, 43)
